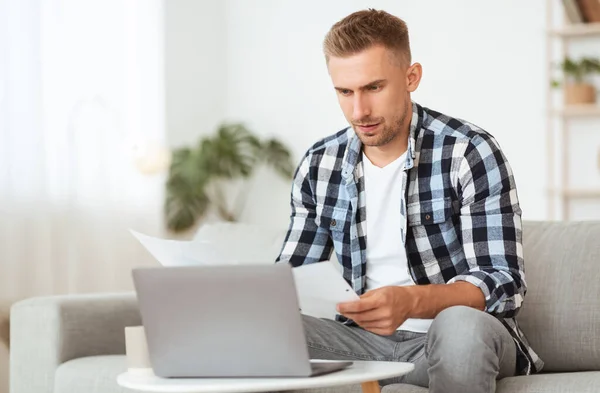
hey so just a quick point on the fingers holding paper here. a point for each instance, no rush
(380, 311)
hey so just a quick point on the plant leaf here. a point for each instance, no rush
(579, 69)
(185, 200)
(182, 210)
(276, 155)
(232, 152)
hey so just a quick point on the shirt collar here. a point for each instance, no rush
(353, 151)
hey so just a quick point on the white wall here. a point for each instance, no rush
(482, 61)
(195, 73)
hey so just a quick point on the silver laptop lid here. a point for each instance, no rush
(222, 321)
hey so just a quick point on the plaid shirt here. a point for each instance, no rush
(461, 215)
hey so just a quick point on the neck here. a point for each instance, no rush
(381, 156)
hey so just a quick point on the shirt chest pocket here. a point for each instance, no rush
(336, 220)
(434, 211)
(434, 227)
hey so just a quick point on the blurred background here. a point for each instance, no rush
(104, 104)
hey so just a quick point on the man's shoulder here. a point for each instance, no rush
(331, 143)
(462, 131)
(327, 154)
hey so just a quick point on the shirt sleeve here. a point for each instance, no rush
(491, 227)
(305, 242)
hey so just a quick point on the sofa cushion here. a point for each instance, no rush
(93, 374)
(403, 388)
(584, 382)
(98, 374)
(561, 312)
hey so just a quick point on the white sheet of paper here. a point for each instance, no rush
(167, 252)
(320, 288)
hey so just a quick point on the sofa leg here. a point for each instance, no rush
(371, 387)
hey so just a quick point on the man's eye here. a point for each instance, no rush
(345, 92)
(374, 88)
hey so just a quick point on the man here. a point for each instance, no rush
(410, 196)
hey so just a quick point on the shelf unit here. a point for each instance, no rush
(576, 30)
(578, 111)
(560, 193)
(578, 193)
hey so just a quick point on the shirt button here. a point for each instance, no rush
(428, 217)
(333, 223)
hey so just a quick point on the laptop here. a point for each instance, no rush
(225, 321)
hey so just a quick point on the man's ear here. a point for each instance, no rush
(413, 77)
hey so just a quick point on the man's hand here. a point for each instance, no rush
(381, 310)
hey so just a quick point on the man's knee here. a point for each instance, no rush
(468, 341)
(463, 318)
(459, 329)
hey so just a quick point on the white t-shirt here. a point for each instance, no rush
(386, 254)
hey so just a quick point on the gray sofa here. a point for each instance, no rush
(75, 344)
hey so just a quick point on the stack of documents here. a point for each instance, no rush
(320, 286)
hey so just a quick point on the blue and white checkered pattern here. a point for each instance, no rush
(463, 220)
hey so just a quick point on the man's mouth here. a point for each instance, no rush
(368, 127)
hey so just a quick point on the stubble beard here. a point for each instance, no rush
(385, 136)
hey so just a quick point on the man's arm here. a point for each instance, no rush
(491, 228)
(382, 310)
(305, 241)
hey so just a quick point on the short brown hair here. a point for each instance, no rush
(364, 29)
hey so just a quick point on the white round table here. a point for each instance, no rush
(365, 373)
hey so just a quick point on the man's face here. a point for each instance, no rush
(374, 93)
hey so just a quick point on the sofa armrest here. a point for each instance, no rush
(48, 331)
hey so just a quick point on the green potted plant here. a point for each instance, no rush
(578, 88)
(199, 175)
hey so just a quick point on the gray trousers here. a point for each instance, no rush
(465, 350)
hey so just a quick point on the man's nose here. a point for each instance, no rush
(360, 107)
